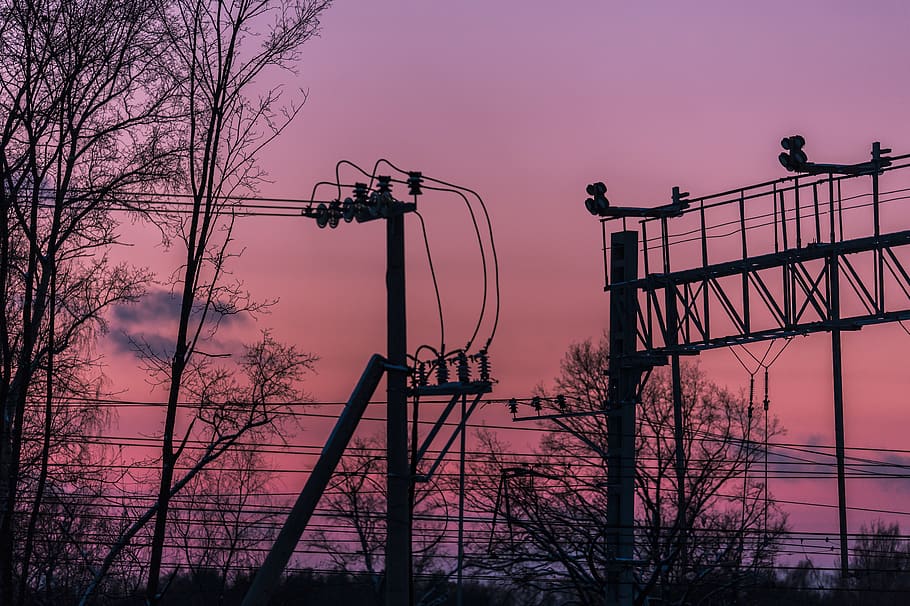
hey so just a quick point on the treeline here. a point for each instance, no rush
(153, 112)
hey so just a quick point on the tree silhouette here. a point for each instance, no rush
(85, 116)
(550, 515)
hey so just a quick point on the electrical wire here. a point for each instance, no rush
(489, 223)
(426, 243)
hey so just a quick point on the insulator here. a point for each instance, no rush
(348, 210)
(422, 374)
(483, 362)
(442, 371)
(384, 184)
(322, 215)
(751, 393)
(535, 403)
(561, 402)
(374, 204)
(415, 178)
(464, 372)
(513, 406)
(334, 213)
(766, 401)
(360, 193)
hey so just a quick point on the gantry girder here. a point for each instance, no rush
(776, 295)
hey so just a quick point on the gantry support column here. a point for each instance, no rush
(838, 384)
(624, 378)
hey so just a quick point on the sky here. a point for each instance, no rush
(527, 102)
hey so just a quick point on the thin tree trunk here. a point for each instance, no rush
(45, 444)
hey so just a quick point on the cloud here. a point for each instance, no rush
(154, 306)
(895, 465)
(151, 323)
(160, 345)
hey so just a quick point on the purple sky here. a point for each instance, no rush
(526, 102)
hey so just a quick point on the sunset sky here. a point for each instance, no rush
(526, 103)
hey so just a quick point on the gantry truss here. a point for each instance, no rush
(778, 259)
(825, 250)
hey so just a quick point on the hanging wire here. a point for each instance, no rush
(426, 244)
(765, 403)
(483, 262)
(458, 190)
(763, 363)
(489, 224)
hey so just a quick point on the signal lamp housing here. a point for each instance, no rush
(597, 204)
(794, 159)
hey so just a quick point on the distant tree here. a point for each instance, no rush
(355, 541)
(551, 513)
(248, 399)
(801, 585)
(226, 522)
(880, 567)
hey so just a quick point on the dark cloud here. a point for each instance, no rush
(154, 306)
(895, 465)
(150, 323)
(163, 306)
(162, 346)
(816, 458)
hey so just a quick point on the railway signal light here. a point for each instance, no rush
(597, 204)
(794, 158)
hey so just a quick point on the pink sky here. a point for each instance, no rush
(526, 102)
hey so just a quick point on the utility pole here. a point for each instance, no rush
(269, 574)
(625, 371)
(398, 516)
(679, 303)
(366, 205)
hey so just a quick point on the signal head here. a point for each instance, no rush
(597, 204)
(596, 189)
(794, 159)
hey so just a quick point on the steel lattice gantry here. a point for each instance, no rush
(795, 292)
(826, 250)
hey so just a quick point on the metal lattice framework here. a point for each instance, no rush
(790, 289)
(788, 257)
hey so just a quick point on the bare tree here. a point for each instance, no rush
(84, 109)
(248, 399)
(551, 513)
(355, 542)
(880, 565)
(217, 63)
(227, 521)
